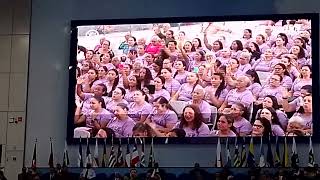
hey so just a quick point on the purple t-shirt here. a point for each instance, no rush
(273, 91)
(242, 126)
(263, 47)
(135, 112)
(307, 119)
(283, 119)
(195, 64)
(205, 109)
(244, 68)
(235, 55)
(246, 98)
(103, 117)
(298, 84)
(293, 72)
(277, 130)
(129, 96)
(216, 133)
(277, 51)
(161, 120)
(297, 103)
(110, 105)
(99, 81)
(121, 128)
(185, 91)
(211, 90)
(286, 81)
(255, 88)
(203, 130)
(86, 102)
(181, 78)
(224, 61)
(172, 86)
(162, 92)
(303, 61)
(264, 66)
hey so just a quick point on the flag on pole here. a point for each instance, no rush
(277, 161)
(285, 157)
(262, 162)
(95, 161)
(250, 160)
(142, 161)
(112, 158)
(311, 155)
(34, 157)
(104, 155)
(80, 159)
(88, 154)
(128, 154)
(120, 161)
(135, 155)
(51, 155)
(236, 159)
(218, 154)
(294, 157)
(228, 161)
(151, 155)
(66, 160)
(270, 162)
(243, 153)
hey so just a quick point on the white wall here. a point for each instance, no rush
(49, 58)
(14, 50)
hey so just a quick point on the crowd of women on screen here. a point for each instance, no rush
(192, 82)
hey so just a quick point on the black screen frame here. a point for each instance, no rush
(314, 17)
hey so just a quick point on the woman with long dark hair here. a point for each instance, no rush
(185, 91)
(261, 127)
(113, 81)
(270, 114)
(216, 93)
(281, 70)
(236, 48)
(255, 86)
(145, 77)
(271, 102)
(192, 122)
(160, 90)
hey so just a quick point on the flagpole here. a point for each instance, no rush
(34, 156)
(51, 164)
(261, 159)
(311, 154)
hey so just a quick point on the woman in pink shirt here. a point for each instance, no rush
(153, 47)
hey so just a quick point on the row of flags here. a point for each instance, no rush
(131, 158)
(242, 159)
